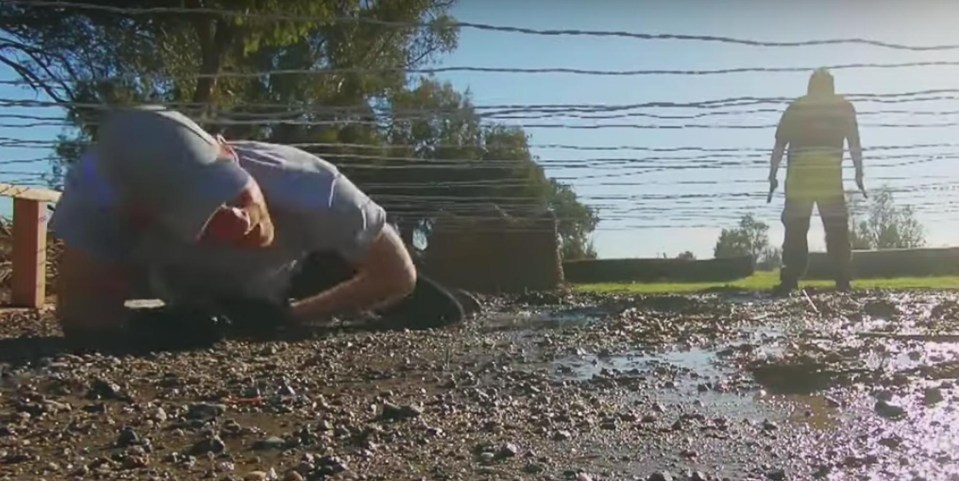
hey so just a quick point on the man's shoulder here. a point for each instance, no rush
(282, 157)
(292, 178)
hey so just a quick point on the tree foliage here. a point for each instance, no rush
(881, 224)
(331, 76)
(749, 238)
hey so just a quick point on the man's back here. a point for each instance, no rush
(313, 206)
(817, 123)
(816, 127)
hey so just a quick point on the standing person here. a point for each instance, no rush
(814, 128)
(256, 232)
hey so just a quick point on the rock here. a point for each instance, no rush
(205, 411)
(213, 444)
(271, 442)
(127, 437)
(534, 468)
(561, 435)
(932, 396)
(256, 476)
(393, 412)
(293, 476)
(507, 450)
(660, 476)
(776, 475)
(697, 476)
(888, 410)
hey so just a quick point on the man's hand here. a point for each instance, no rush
(773, 185)
(385, 275)
(860, 184)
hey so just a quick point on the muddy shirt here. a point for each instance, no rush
(815, 129)
(314, 207)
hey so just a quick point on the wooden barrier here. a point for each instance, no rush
(495, 254)
(889, 263)
(658, 270)
(29, 243)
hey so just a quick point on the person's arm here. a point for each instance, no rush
(776, 158)
(855, 146)
(779, 149)
(384, 275)
(356, 227)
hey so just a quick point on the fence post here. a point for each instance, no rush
(29, 252)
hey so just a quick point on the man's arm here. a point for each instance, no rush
(776, 158)
(782, 140)
(353, 225)
(384, 275)
(855, 146)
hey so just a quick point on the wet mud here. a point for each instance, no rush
(542, 387)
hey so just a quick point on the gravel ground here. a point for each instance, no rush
(585, 387)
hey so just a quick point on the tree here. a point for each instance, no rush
(686, 256)
(881, 224)
(771, 258)
(333, 81)
(106, 52)
(749, 238)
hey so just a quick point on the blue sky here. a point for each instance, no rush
(647, 213)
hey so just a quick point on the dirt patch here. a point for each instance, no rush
(541, 386)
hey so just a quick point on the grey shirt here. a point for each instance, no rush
(314, 208)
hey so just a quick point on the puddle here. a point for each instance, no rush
(533, 320)
(586, 366)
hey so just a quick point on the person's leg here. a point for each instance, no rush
(835, 220)
(430, 304)
(795, 219)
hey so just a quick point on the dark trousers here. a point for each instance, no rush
(835, 218)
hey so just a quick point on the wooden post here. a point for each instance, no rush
(29, 252)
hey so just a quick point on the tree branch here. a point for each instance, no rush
(32, 80)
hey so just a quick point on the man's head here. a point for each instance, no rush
(821, 83)
(181, 179)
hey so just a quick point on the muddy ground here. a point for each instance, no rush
(724, 386)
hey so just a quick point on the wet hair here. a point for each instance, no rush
(821, 83)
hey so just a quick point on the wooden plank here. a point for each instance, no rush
(29, 193)
(29, 252)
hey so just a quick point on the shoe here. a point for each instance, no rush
(784, 289)
(430, 306)
(843, 286)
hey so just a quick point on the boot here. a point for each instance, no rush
(785, 289)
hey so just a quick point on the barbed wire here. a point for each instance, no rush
(475, 25)
(887, 97)
(649, 210)
(226, 74)
(745, 161)
(288, 118)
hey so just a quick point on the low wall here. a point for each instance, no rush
(658, 270)
(922, 262)
(495, 256)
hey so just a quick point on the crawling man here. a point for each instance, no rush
(160, 209)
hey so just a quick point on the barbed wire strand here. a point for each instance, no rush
(477, 26)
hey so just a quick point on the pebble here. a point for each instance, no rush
(660, 476)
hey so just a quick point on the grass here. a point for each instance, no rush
(766, 280)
